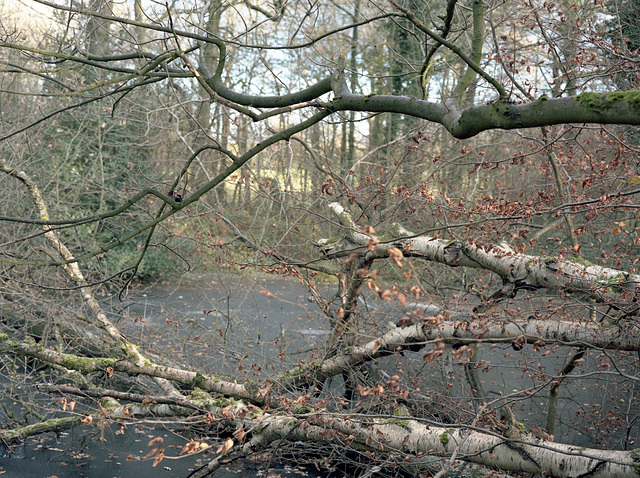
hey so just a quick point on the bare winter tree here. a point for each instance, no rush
(453, 183)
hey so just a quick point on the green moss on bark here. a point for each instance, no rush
(604, 101)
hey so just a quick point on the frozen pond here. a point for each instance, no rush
(252, 329)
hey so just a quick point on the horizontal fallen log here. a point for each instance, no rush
(586, 334)
(408, 440)
(45, 426)
(614, 287)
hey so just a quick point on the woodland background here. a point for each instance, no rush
(443, 178)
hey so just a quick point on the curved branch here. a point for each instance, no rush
(516, 453)
(237, 164)
(313, 92)
(144, 367)
(72, 268)
(622, 107)
(211, 38)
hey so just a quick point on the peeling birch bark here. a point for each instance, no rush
(521, 452)
(415, 337)
(614, 287)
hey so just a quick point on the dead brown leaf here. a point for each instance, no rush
(226, 446)
(239, 435)
(156, 440)
(396, 256)
(352, 257)
(267, 293)
(159, 458)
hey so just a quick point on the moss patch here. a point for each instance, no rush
(199, 395)
(84, 364)
(613, 283)
(299, 369)
(579, 260)
(109, 403)
(520, 426)
(604, 101)
(635, 454)
(223, 402)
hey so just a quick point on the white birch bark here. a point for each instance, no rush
(397, 434)
(612, 286)
(404, 436)
(409, 437)
(415, 336)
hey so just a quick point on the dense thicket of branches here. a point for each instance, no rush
(454, 183)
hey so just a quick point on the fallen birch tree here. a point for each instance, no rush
(518, 271)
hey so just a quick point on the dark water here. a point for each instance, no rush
(253, 329)
(274, 324)
(84, 453)
(217, 329)
(229, 324)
